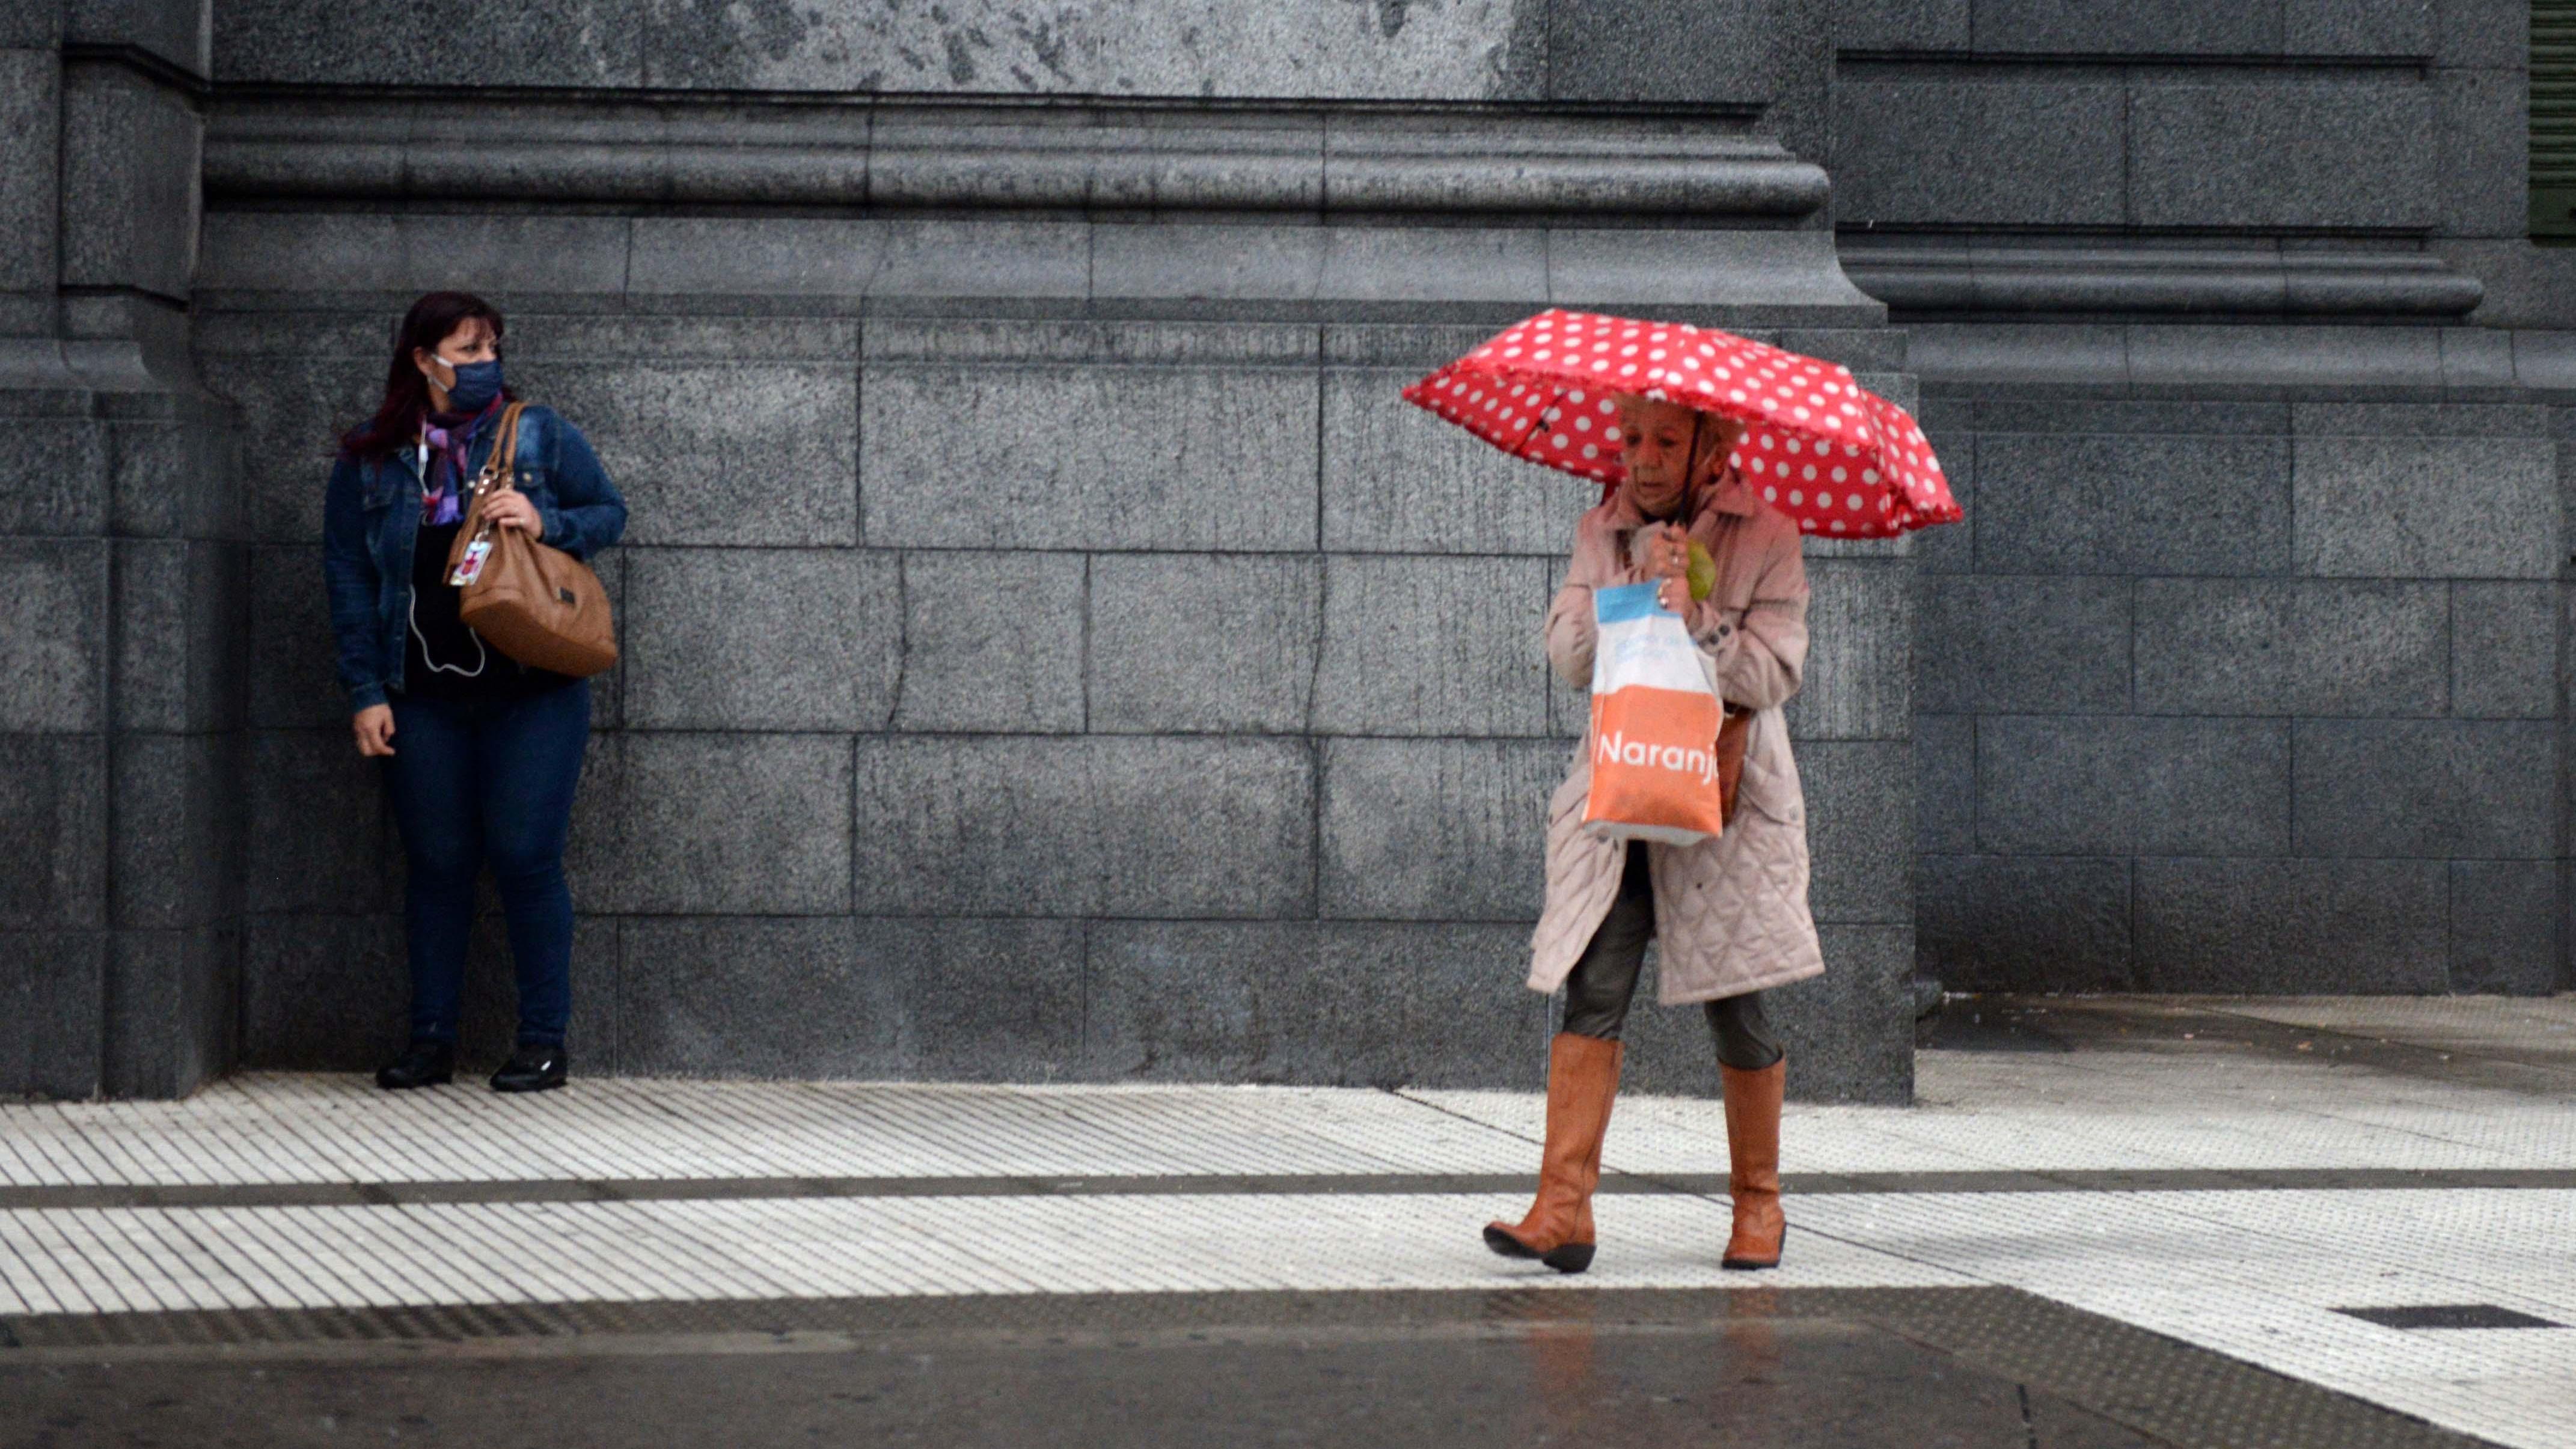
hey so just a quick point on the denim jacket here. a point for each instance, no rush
(371, 516)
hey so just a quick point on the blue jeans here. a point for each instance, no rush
(489, 781)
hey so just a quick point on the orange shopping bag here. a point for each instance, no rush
(1655, 716)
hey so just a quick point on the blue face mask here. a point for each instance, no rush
(477, 383)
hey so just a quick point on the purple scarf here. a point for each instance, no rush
(449, 436)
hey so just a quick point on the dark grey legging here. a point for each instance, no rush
(1598, 990)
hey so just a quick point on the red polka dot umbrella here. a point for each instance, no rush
(1817, 446)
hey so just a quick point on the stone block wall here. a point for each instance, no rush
(2244, 674)
(1006, 395)
(2243, 696)
(122, 575)
(1031, 699)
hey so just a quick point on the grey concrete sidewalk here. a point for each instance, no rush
(2110, 1221)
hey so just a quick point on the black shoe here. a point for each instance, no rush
(531, 1069)
(422, 1064)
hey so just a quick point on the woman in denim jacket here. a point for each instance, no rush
(481, 753)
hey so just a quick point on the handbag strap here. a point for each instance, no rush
(501, 466)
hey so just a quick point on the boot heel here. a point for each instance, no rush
(1571, 1258)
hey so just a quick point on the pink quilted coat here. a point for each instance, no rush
(1730, 912)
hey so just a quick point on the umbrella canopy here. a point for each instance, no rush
(1817, 445)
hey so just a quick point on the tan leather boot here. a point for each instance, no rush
(1753, 1163)
(1582, 1077)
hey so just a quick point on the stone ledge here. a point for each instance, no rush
(1185, 270)
(2216, 361)
(1923, 278)
(1067, 157)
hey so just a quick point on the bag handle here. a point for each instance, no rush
(501, 467)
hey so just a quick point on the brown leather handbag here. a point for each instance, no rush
(1734, 733)
(539, 605)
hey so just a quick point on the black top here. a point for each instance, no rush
(443, 659)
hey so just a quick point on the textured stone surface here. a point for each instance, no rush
(2258, 155)
(1397, 479)
(738, 451)
(292, 412)
(293, 678)
(323, 992)
(177, 848)
(759, 996)
(54, 813)
(53, 471)
(1128, 458)
(2070, 785)
(2505, 930)
(766, 257)
(1433, 646)
(761, 639)
(30, 166)
(2394, 507)
(2504, 650)
(542, 260)
(2484, 119)
(993, 641)
(2295, 926)
(989, 998)
(2023, 923)
(53, 612)
(1850, 1032)
(1189, 643)
(2426, 788)
(1860, 830)
(2021, 644)
(728, 824)
(127, 222)
(1100, 825)
(1882, 25)
(1906, 153)
(1689, 51)
(1186, 48)
(2293, 646)
(51, 1012)
(322, 834)
(557, 42)
(173, 470)
(1448, 830)
(1295, 1001)
(1945, 783)
(2395, 28)
(1199, 1001)
(181, 634)
(2492, 33)
(172, 1010)
(1858, 683)
(2183, 27)
(2132, 504)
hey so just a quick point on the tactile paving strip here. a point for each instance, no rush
(1384, 1184)
(2170, 1390)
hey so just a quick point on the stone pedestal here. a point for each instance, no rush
(1052, 647)
(123, 566)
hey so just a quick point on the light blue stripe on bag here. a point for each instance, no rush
(1627, 603)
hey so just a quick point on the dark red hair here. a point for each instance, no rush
(429, 322)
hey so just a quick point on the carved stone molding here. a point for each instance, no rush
(1970, 279)
(1484, 163)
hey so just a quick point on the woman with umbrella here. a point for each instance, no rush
(1716, 454)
